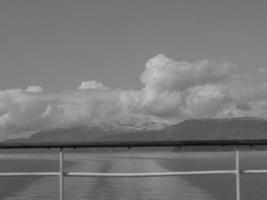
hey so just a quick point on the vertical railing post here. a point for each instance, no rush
(237, 167)
(61, 176)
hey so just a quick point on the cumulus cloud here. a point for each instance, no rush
(172, 91)
(91, 85)
(34, 89)
(165, 74)
(202, 89)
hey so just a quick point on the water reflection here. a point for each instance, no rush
(219, 187)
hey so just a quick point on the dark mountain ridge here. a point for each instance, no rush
(192, 129)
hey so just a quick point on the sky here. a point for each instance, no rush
(89, 62)
(59, 43)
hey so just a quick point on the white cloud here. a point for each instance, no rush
(201, 89)
(172, 91)
(34, 89)
(165, 74)
(206, 101)
(91, 85)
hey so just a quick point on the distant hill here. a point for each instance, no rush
(74, 134)
(193, 129)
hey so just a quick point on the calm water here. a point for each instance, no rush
(218, 187)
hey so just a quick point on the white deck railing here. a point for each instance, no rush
(61, 173)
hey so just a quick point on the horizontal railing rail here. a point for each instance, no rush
(61, 173)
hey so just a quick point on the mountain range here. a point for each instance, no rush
(191, 129)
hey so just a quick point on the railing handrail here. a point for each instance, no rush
(61, 173)
(116, 144)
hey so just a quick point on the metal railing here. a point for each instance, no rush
(187, 143)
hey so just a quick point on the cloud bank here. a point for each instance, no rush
(172, 91)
